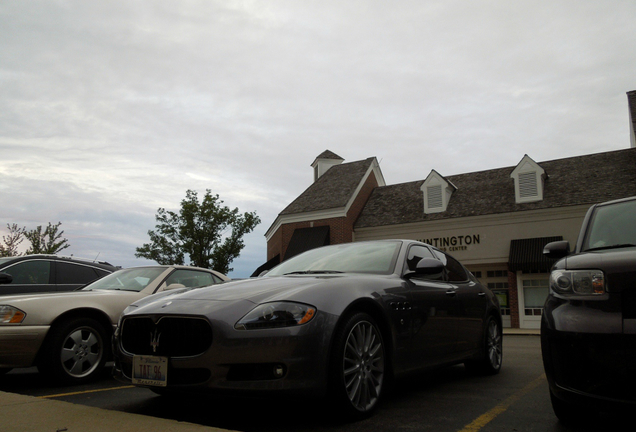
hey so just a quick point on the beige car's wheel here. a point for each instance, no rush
(75, 351)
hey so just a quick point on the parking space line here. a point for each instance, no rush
(84, 392)
(486, 418)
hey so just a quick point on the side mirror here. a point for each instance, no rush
(426, 267)
(5, 278)
(174, 286)
(557, 249)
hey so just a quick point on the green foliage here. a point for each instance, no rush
(47, 242)
(11, 241)
(211, 235)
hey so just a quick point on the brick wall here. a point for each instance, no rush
(340, 228)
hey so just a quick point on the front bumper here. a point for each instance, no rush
(588, 358)
(246, 360)
(19, 345)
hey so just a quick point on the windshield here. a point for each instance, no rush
(612, 226)
(371, 257)
(133, 279)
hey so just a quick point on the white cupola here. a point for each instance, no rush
(324, 161)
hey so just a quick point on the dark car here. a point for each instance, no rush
(337, 320)
(588, 328)
(48, 273)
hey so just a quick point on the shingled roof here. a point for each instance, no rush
(332, 190)
(328, 154)
(572, 181)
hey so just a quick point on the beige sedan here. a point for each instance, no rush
(67, 335)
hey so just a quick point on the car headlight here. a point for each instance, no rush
(276, 315)
(583, 282)
(11, 315)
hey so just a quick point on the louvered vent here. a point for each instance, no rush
(434, 196)
(528, 185)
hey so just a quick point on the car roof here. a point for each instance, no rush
(101, 264)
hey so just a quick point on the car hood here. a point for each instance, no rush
(323, 291)
(70, 295)
(619, 265)
(42, 309)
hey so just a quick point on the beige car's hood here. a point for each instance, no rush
(43, 309)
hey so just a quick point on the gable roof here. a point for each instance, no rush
(328, 154)
(334, 189)
(572, 181)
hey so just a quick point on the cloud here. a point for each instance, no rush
(112, 110)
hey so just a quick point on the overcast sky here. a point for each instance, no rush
(112, 109)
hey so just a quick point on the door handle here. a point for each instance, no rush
(481, 294)
(451, 292)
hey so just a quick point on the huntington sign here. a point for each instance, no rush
(453, 243)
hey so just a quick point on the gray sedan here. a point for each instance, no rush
(339, 320)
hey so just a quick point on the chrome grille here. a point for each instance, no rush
(169, 336)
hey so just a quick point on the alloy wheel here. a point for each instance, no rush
(363, 366)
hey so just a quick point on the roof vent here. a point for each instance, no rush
(529, 178)
(437, 193)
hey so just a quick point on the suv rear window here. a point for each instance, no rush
(68, 273)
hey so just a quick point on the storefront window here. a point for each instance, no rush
(502, 296)
(535, 291)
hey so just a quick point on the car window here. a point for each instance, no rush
(192, 278)
(133, 279)
(363, 257)
(34, 272)
(612, 225)
(416, 253)
(454, 270)
(101, 272)
(69, 273)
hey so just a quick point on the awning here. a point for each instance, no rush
(527, 255)
(304, 239)
(267, 266)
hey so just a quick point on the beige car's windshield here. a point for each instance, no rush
(134, 279)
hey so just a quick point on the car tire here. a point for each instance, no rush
(492, 351)
(75, 351)
(357, 367)
(570, 414)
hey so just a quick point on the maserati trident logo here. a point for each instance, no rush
(154, 340)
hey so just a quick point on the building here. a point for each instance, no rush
(495, 222)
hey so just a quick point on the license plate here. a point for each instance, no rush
(150, 370)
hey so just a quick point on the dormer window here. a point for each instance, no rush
(529, 178)
(437, 192)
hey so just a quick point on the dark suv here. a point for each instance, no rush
(588, 328)
(48, 273)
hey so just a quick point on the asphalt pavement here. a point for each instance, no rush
(33, 414)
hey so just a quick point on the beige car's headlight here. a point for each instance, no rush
(11, 315)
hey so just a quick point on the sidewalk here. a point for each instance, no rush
(516, 331)
(31, 414)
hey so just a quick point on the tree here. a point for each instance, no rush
(47, 242)
(211, 235)
(11, 241)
